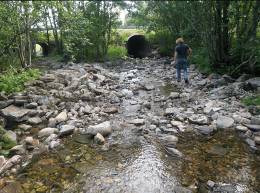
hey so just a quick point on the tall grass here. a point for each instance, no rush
(116, 52)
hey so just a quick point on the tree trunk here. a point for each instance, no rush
(28, 38)
(55, 30)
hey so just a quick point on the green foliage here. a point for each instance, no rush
(164, 41)
(200, 58)
(5, 142)
(13, 80)
(252, 100)
(116, 52)
(7, 61)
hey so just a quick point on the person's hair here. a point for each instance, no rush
(179, 40)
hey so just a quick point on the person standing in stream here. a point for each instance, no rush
(182, 51)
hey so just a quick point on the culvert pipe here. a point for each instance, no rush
(137, 46)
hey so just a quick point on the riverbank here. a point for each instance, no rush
(128, 126)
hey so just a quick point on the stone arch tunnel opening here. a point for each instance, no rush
(137, 46)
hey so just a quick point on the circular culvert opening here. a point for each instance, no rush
(137, 46)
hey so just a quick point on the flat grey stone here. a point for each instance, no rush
(14, 113)
(34, 120)
(224, 122)
(47, 132)
(254, 128)
(205, 130)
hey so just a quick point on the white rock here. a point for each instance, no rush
(179, 125)
(52, 137)
(148, 87)
(153, 127)
(47, 132)
(102, 128)
(241, 128)
(54, 144)
(61, 117)
(174, 95)
(24, 127)
(210, 184)
(99, 139)
(28, 140)
(257, 140)
(127, 93)
(198, 119)
(137, 122)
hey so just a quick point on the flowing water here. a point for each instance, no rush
(135, 162)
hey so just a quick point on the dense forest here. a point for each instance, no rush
(224, 35)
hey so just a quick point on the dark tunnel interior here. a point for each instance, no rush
(137, 46)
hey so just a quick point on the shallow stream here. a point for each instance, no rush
(135, 162)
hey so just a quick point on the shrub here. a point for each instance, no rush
(13, 80)
(200, 58)
(164, 40)
(116, 52)
(251, 100)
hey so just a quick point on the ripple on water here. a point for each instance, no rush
(147, 173)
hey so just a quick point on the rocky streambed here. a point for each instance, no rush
(128, 126)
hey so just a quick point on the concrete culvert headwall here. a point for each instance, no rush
(137, 46)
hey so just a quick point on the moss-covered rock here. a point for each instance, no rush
(6, 141)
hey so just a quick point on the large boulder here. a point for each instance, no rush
(102, 128)
(254, 82)
(224, 122)
(14, 113)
